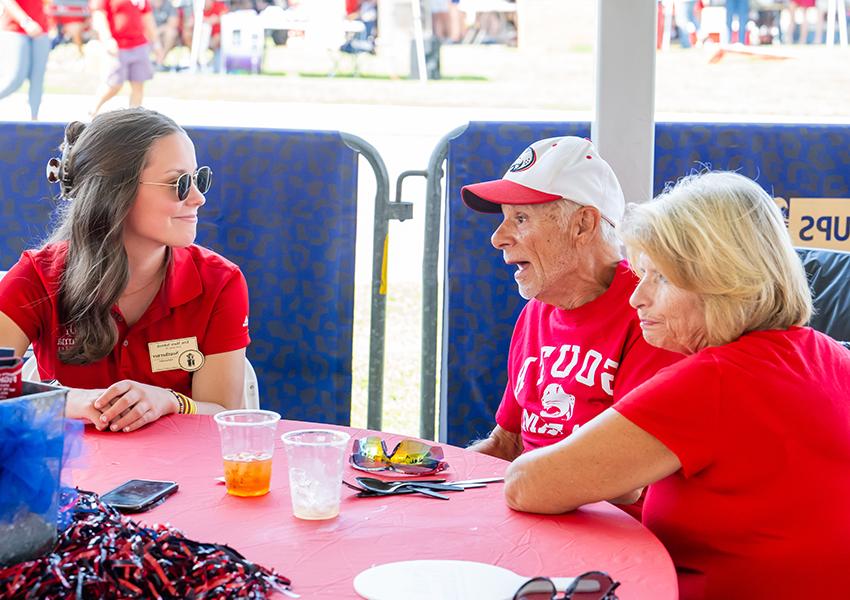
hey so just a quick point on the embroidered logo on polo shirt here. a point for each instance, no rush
(245, 324)
(67, 337)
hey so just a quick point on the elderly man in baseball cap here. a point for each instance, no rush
(577, 345)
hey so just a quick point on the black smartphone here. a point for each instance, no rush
(138, 495)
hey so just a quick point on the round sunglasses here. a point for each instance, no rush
(202, 178)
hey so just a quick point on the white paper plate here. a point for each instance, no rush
(443, 579)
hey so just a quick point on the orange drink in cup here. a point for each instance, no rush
(248, 474)
(247, 444)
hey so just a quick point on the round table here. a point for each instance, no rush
(323, 557)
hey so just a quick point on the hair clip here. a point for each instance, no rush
(53, 167)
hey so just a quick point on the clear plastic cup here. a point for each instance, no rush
(316, 458)
(247, 445)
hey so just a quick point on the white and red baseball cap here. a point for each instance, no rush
(551, 169)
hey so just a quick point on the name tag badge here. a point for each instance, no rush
(181, 353)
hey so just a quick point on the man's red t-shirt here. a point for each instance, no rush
(567, 366)
(125, 20)
(34, 10)
(203, 296)
(761, 505)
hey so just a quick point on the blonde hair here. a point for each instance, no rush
(720, 235)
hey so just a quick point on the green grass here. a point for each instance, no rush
(401, 358)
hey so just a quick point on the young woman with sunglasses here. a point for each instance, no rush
(119, 304)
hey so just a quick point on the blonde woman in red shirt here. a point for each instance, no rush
(745, 442)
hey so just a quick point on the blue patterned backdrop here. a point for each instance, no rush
(482, 302)
(282, 207)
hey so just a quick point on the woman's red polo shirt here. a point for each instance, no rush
(203, 296)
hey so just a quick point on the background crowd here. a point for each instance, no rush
(29, 29)
(745, 21)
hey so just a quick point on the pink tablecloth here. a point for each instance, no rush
(323, 557)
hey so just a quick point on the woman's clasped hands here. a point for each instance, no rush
(124, 406)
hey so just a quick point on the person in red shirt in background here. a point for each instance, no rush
(577, 346)
(69, 23)
(745, 442)
(127, 30)
(120, 305)
(24, 46)
(213, 9)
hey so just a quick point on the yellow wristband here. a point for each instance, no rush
(186, 404)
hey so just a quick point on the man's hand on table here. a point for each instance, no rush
(128, 405)
(501, 443)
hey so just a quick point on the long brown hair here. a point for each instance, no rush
(99, 175)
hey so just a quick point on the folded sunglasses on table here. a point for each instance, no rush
(410, 457)
(593, 585)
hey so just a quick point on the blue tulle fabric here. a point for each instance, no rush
(34, 438)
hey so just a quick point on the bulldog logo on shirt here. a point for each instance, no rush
(547, 407)
(557, 403)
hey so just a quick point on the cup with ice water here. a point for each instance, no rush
(247, 444)
(316, 459)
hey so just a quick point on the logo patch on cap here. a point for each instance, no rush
(525, 160)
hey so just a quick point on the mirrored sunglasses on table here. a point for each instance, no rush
(411, 457)
(202, 178)
(543, 588)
